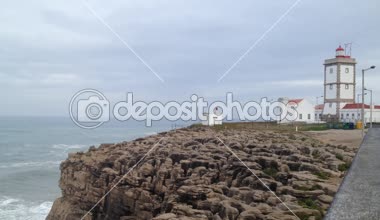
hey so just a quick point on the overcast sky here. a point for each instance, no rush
(51, 49)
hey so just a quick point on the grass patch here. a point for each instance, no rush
(322, 175)
(314, 127)
(310, 204)
(270, 172)
(339, 156)
(344, 166)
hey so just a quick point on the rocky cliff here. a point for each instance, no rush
(190, 174)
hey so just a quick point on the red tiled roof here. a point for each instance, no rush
(295, 100)
(359, 106)
(319, 107)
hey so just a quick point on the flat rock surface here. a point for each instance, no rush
(191, 173)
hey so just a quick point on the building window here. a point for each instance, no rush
(347, 86)
(331, 87)
(320, 115)
(315, 115)
(301, 116)
(347, 70)
(331, 70)
(341, 116)
(309, 116)
(347, 115)
(353, 115)
(330, 105)
(358, 115)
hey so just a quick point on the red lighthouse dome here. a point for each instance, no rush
(340, 52)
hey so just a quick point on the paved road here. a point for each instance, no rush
(359, 195)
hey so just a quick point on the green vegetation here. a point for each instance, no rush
(310, 204)
(344, 166)
(313, 127)
(339, 156)
(268, 126)
(322, 175)
(270, 171)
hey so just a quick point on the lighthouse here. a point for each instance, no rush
(339, 84)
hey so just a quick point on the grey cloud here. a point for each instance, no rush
(49, 50)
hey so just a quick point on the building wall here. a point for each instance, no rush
(318, 115)
(354, 115)
(339, 86)
(346, 73)
(330, 109)
(331, 74)
(306, 112)
(347, 80)
(306, 109)
(331, 91)
(347, 91)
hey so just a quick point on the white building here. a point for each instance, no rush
(339, 92)
(212, 119)
(339, 84)
(352, 113)
(304, 108)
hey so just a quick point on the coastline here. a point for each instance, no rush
(191, 174)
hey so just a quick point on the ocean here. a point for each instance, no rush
(31, 150)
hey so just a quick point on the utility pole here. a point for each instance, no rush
(363, 123)
(370, 114)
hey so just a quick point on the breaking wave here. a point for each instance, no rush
(14, 209)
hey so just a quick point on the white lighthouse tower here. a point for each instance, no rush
(339, 84)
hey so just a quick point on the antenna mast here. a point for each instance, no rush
(347, 49)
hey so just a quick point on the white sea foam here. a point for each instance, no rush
(68, 146)
(15, 209)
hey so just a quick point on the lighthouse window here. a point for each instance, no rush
(331, 87)
(330, 105)
(300, 116)
(347, 86)
(331, 70)
(347, 70)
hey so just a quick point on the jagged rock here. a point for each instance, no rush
(191, 175)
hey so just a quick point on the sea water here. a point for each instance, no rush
(31, 150)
